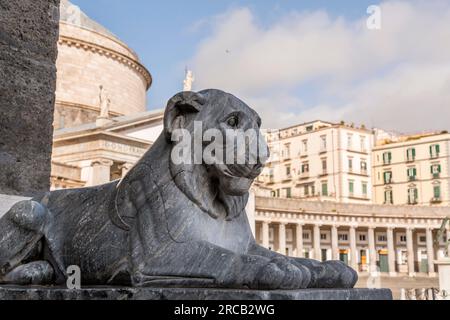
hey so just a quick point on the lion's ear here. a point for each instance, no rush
(178, 107)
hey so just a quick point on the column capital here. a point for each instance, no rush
(300, 224)
(390, 228)
(410, 229)
(102, 162)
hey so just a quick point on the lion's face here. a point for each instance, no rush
(243, 151)
(225, 151)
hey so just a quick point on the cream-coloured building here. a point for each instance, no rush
(412, 170)
(90, 56)
(320, 161)
(102, 126)
(392, 240)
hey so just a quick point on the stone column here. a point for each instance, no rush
(391, 251)
(316, 244)
(410, 254)
(372, 251)
(334, 243)
(282, 238)
(265, 234)
(299, 240)
(353, 249)
(430, 252)
(28, 51)
(101, 172)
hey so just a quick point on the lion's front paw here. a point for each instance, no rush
(334, 274)
(281, 274)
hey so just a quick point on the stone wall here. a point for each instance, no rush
(28, 51)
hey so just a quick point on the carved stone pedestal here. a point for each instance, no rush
(109, 293)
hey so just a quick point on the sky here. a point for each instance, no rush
(295, 61)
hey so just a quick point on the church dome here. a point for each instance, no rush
(90, 57)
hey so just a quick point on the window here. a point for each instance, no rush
(412, 174)
(273, 194)
(363, 167)
(288, 193)
(278, 193)
(306, 191)
(423, 239)
(305, 146)
(324, 166)
(437, 192)
(387, 158)
(382, 238)
(305, 236)
(413, 195)
(324, 189)
(343, 237)
(323, 236)
(287, 151)
(305, 167)
(288, 171)
(403, 238)
(363, 143)
(388, 197)
(350, 164)
(349, 141)
(364, 189)
(434, 151)
(309, 128)
(436, 170)
(362, 237)
(387, 177)
(411, 154)
(351, 187)
(323, 145)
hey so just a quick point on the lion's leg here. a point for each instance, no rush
(328, 274)
(202, 264)
(21, 244)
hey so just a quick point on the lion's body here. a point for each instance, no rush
(163, 224)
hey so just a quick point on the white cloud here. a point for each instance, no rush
(397, 77)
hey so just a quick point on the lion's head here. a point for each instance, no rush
(217, 149)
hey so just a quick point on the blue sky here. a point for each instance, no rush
(164, 33)
(301, 60)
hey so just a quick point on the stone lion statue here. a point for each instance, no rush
(163, 224)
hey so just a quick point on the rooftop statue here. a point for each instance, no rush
(166, 223)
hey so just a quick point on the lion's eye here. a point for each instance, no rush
(233, 122)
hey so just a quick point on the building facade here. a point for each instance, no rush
(412, 170)
(101, 124)
(370, 238)
(320, 161)
(90, 56)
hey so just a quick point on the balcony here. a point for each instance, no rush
(434, 155)
(410, 159)
(303, 175)
(436, 175)
(412, 178)
(436, 200)
(412, 202)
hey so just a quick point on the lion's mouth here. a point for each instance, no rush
(240, 171)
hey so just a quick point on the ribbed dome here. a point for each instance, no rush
(72, 14)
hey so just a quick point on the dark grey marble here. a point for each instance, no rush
(18, 293)
(28, 50)
(165, 224)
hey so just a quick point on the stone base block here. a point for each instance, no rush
(117, 293)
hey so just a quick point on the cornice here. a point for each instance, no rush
(117, 56)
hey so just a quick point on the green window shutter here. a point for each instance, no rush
(431, 150)
(437, 192)
(416, 194)
(432, 171)
(390, 156)
(438, 148)
(415, 172)
(414, 152)
(439, 168)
